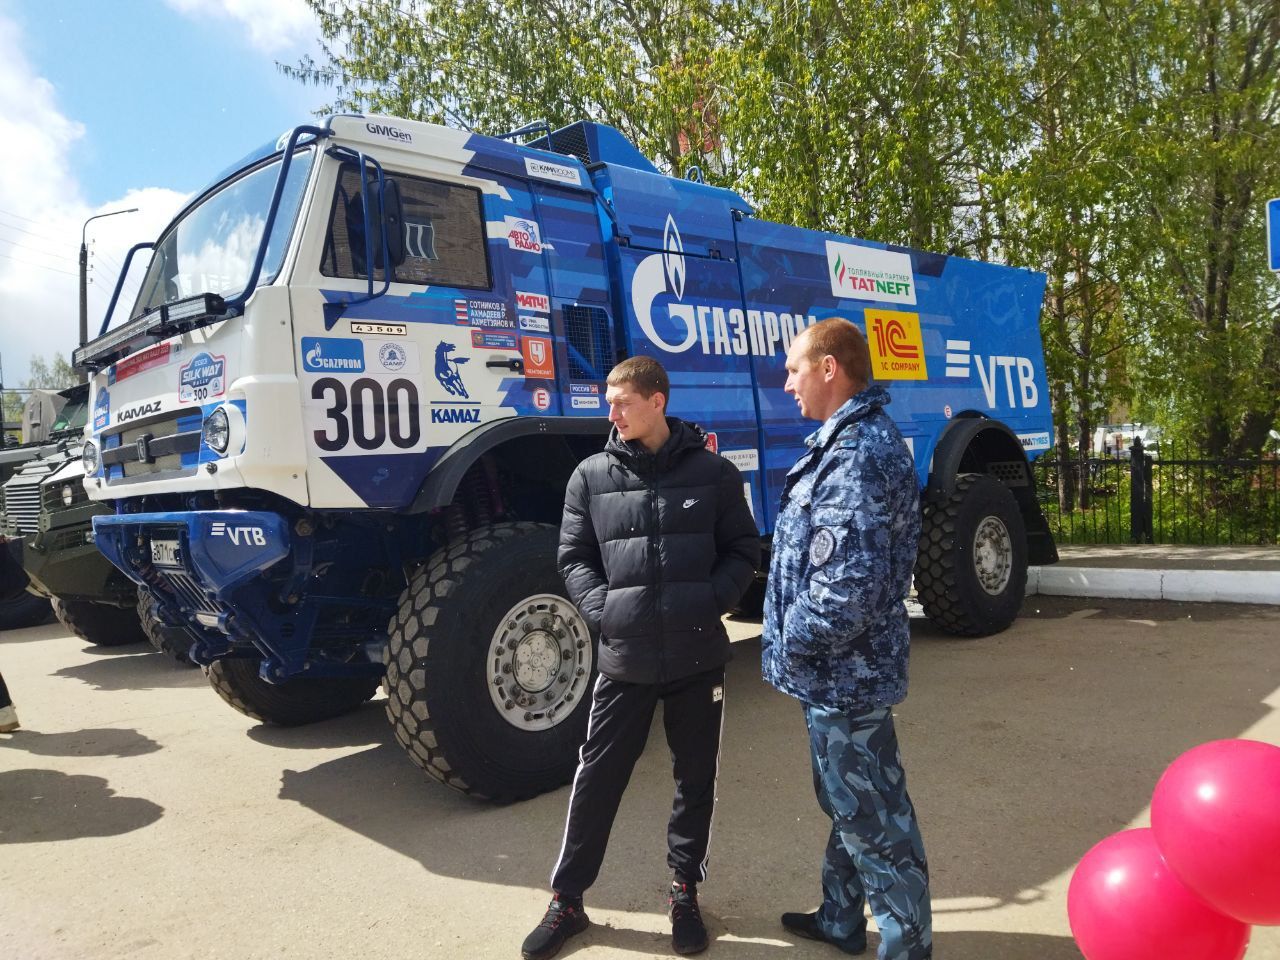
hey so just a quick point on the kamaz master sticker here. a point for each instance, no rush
(101, 410)
(202, 378)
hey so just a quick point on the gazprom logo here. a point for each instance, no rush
(673, 258)
(657, 300)
(332, 355)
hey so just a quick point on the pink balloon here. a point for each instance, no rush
(1216, 817)
(1125, 903)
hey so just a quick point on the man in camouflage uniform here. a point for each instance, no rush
(836, 637)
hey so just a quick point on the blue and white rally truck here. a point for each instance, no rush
(338, 424)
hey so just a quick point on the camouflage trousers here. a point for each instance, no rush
(874, 854)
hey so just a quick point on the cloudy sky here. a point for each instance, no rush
(127, 103)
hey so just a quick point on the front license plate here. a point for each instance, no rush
(165, 553)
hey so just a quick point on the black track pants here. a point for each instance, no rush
(621, 715)
(4, 694)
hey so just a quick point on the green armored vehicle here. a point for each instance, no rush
(52, 562)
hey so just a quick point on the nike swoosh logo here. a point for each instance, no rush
(689, 503)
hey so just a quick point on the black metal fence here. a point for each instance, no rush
(1168, 493)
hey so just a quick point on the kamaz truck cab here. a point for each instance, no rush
(338, 422)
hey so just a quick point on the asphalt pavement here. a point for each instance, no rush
(141, 817)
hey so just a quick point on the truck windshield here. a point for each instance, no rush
(212, 248)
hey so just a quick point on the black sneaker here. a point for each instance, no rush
(688, 932)
(806, 925)
(564, 918)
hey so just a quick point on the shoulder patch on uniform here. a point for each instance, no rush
(822, 546)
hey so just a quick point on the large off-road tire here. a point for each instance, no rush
(170, 641)
(99, 623)
(24, 609)
(288, 704)
(971, 572)
(490, 667)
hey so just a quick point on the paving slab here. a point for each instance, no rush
(141, 818)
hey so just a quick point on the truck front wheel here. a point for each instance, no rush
(971, 571)
(288, 704)
(169, 640)
(99, 623)
(490, 667)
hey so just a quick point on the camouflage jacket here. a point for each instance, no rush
(836, 632)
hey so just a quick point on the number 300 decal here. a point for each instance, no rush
(375, 415)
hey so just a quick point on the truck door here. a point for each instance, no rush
(578, 342)
(389, 384)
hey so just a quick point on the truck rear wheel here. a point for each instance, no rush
(99, 623)
(490, 667)
(172, 642)
(288, 704)
(971, 572)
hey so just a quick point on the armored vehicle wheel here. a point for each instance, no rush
(288, 704)
(99, 623)
(971, 572)
(23, 609)
(171, 641)
(490, 667)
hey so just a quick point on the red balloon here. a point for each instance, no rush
(1125, 903)
(1216, 817)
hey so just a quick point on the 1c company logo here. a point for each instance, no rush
(897, 349)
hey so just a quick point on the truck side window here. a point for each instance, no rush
(444, 238)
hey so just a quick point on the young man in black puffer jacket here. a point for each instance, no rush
(657, 544)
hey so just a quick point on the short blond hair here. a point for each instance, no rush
(645, 374)
(840, 338)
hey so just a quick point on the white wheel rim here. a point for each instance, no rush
(993, 555)
(539, 662)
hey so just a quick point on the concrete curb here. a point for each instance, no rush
(1208, 586)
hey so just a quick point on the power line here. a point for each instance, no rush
(65, 273)
(43, 253)
(32, 233)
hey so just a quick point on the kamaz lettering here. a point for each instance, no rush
(141, 410)
(455, 415)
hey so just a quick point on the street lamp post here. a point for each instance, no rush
(84, 272)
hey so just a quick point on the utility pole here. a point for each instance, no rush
(84, 273)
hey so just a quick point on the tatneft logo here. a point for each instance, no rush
(383, 130)
(657, 289)
(897, 349)
(961, 360)
(522, 235)
(865, 273)
(332, 355)
(239, 534)
(533, 301)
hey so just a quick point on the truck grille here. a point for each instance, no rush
(189, 593)
(167, 439)
(21, 504)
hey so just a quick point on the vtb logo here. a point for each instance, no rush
(897, 350)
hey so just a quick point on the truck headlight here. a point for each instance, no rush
(68, 495)
(89, 456)
(217, 431)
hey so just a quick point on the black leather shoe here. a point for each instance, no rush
(688, 932)
(563, 919)
(806, 925)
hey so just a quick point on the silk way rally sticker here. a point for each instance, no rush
(822, 546)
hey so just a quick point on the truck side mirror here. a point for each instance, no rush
(392, 210)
